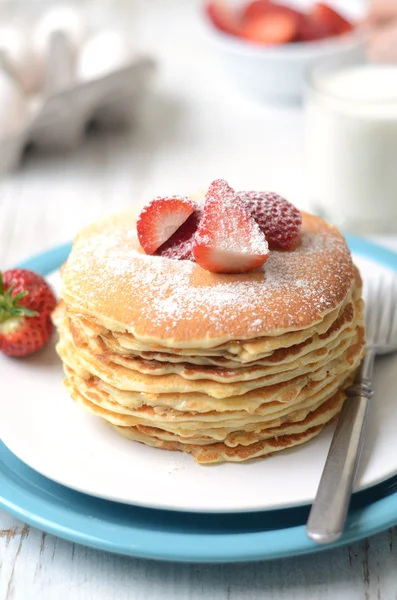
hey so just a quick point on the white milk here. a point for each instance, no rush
(352, 146)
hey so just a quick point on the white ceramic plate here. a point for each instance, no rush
(42, 426)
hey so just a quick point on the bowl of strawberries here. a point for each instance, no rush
(268, 46)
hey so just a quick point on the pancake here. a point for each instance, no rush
(223, 367)
(82, 334)
(219, 452)
(177, 304)
(242, 351)
(213, 424)
(316, 348)
(246, 353)
(131, 380)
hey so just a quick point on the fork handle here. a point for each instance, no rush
(328, 513)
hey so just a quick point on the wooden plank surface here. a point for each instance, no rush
(35, 565)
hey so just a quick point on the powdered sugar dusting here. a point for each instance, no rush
(179, 300)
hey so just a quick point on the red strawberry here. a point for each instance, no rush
(159, 220)
(310, 30)
(273, 27)
(279, 220)
(256, 9)
(228, 240)
(324, 15)
(180, 244)
(224, 18)
(26, 304)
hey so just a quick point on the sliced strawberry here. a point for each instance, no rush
(273, 27)
(180, 244)
(159, 220)
(223, 17)
(26, 304)
(324, 15)
(277, 218)
(228, 240)
(310, 30)
(256, 9)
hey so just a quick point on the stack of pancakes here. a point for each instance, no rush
(224, 367)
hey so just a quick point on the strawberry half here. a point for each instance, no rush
(180, 244)
(256, 9)
(224, 18)
(26, 304)
(324, 16)
(228, 240)
(278, 25)
(310, 30)
(160, 219)
(278, 219)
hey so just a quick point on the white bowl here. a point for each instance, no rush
(278, 73)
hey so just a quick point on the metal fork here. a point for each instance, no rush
(328, 513)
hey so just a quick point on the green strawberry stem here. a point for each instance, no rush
(9, 307)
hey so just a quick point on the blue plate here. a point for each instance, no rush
(177, 536)
(187, 537)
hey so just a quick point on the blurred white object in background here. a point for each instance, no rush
(55, 79)
(104, 52)
(15, 45)
(65, 19)
(352, 145)
(69, 20)
(13, 106)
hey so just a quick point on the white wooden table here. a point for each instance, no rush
(194, 127)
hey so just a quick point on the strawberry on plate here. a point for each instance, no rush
(228, 240)
(278, 219)
(160, 219)
(325, 16)
(223, 17)
(180, 244)
(26, 304)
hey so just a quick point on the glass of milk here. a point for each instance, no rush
(351, 135)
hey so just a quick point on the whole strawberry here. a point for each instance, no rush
(26, 304)
(279, 220)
